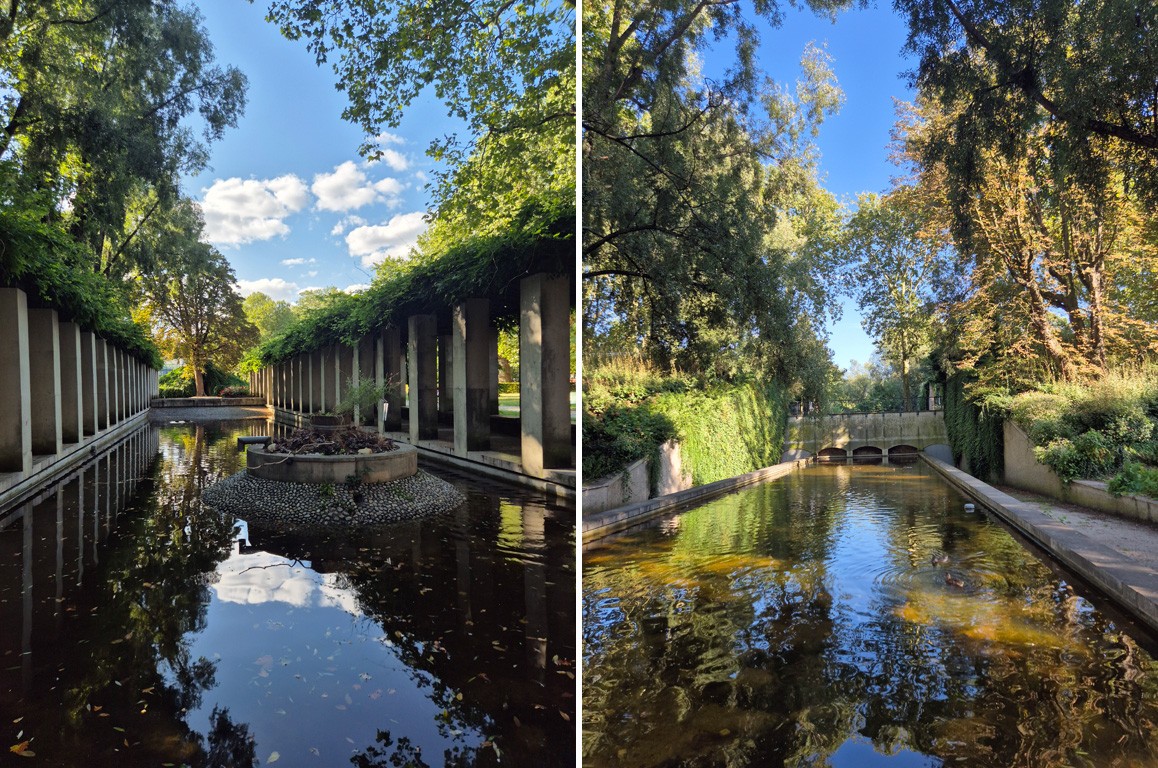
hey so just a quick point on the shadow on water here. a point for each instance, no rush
(138, 627)
(853, 616)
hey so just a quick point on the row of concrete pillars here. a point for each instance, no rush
(60, 384)
(461, 366)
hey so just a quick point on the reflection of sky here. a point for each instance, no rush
(261, 577)
(312, 676)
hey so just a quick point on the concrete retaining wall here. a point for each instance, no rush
(610, 521)
(808, 435)
(205, 402)
(632, 484)
(1023, 470)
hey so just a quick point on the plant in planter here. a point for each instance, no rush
(363, 396)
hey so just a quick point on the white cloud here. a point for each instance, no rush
(312, 273)
(356, 287)
(244, 210)
(297, 262)
(347, 188)
(420, 176)
(394, 238)
(274, 287)
(347, 222)
(394, 159)
(386, 139)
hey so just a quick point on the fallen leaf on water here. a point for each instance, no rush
(314, 751)
(458, 696)
(273, 757)
(17, 720)
(565, 715)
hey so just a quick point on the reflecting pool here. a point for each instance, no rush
(853, 616)
(138, 627)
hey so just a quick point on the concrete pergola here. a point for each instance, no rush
(452, 373)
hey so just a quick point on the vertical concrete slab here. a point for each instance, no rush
(394, 377)
(15, 383)
(544, 373)
(421, 349)
(356, 375)
(336, 359)
(102, 381)
(445, 374)
(493, 373)
(88, 371)
(309, 372)
(44, 380)
(367, 371)
(320, 368)
(71, 383)
(114, 359)
(471, 378)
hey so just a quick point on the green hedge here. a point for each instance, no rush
(1101, 430)
(723, 431)
(975, 431)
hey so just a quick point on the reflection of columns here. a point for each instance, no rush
(56, 604)
(26, 596)
(493, 373)
(393, 377)
(544, 367)
(71, 383)
(445, 375)
(535, 586)
(102, 383)
(44, 374)
(80, 521)
(463, 576)
(472, 421)
(16, 399)
(420, 350)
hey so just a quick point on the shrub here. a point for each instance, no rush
(1042, 416)
(234, 392)
(1135, 478)
(171, 391)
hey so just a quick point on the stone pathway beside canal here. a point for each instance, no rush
(1133, 539)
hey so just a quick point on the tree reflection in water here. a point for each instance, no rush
(460, 629)
(804, 623)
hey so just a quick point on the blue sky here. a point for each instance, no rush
(286, 197)
(865, 46)
(291, 204)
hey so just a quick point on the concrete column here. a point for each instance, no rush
(336, 357)
(544, 373)
(71, 384)
(296, 371)
(471, 377)
(367, 371)
(421, 351)
(114, 362)
(445, 374)
(320, 367)
(309, 373)
(356, 376)
(393, 378)
(102, 383)
(15, 383)
(44, 379)
(88, 371)
(493, 373)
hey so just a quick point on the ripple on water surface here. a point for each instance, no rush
(853, 616)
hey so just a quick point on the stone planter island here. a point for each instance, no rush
(306, 488)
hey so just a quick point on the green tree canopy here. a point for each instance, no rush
(271, 318)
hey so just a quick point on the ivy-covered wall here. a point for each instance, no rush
(723, 431)
(974, 432)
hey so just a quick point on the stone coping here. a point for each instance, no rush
(611, 521)
(317, 469)
(204, 402)
(1129, 583)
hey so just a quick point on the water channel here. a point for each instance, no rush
(854, 616)
(140, 628)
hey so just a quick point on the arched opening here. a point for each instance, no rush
(867, 454)
(903, 454)
(832, 454)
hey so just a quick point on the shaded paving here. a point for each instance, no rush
(138, 627)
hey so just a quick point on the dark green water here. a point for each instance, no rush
(805, 623)
(136, 630)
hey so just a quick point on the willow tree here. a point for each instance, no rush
(699, 192)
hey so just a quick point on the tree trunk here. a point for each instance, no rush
(199, 381)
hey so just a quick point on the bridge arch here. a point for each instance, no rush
(867, 454)
(832, 454)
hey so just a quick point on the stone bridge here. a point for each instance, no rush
(867, 435)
